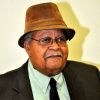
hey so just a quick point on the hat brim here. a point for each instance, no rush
(69, 33)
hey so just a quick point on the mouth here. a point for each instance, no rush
(54, 55)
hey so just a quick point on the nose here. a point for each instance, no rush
(54, 45)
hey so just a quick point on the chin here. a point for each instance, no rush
(54, 69)
(54, 72)
(54, 65)
(54, 62)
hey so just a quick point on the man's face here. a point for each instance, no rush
(47, 58)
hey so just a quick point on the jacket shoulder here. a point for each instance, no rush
(80, 66)
(82, 69)
(6, 84)
(9, 79)
(10, 75)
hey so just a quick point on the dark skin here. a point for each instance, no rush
(49, 60)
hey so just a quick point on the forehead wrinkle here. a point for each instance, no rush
(40, 33)
(45, 33)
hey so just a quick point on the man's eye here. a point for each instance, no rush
(45, 40)
(61, 39)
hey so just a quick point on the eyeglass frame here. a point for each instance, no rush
(51, 41)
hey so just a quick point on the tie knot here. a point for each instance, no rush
(53, 83)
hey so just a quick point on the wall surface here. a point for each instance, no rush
(82, 15)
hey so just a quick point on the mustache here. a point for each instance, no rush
(54, 54)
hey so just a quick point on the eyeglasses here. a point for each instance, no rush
(47, 41)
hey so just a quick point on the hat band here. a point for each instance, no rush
(45, 23)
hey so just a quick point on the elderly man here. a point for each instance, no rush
(47, 75)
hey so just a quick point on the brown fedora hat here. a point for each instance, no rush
(44, 16)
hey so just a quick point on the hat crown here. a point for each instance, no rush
(41, 15)
(42, 11)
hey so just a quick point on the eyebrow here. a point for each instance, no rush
(45, 33)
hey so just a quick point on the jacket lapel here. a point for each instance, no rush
(22, 88)
(75, 87)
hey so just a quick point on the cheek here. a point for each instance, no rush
(36, 56)
(65, 52)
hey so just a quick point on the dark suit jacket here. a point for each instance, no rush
(83, 83)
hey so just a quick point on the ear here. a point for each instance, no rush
(27, 47)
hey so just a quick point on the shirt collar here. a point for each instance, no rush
(59, 79)
(43, 80)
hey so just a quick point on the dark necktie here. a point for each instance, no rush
(53, 90)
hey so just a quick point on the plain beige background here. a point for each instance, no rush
(82, 15)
